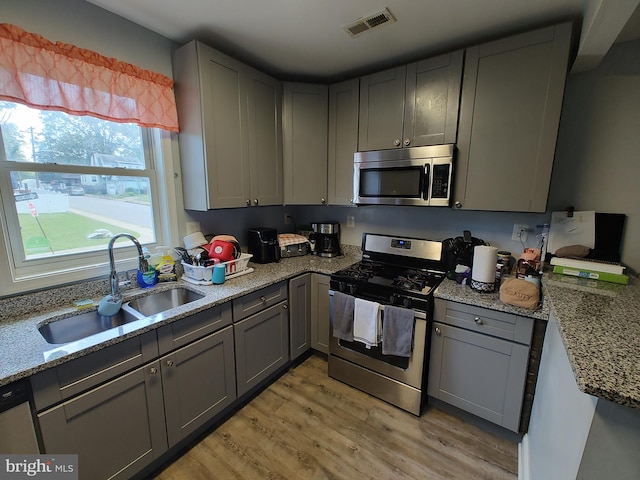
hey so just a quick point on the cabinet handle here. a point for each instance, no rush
(407, 142)
(458, 204)
(438, 331)
(323, 201)
(169, 363)
(478, 320)
(285, 306)
(396, 142)
(248, 202)
(153, 370)
(255, 201)
(263, 299)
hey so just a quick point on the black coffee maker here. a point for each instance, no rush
(325, 239)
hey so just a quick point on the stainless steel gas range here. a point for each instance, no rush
(397, 275)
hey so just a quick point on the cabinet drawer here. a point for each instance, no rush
(186, 330)
(71, 378)
(256, 301)
(483, 320)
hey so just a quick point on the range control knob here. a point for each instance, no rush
(392, 299)
(406, 302)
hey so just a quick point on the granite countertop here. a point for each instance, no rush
(599, 324)
(450, 290)
(25, 352)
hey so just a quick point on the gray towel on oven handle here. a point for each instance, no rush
(397, 331)
(342, 316)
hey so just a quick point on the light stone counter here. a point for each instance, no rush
(24, 351)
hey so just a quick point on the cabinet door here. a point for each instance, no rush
(320, 324)
(264, 103)
(199, 382)
(262, 346)
(478, 373)
(432, 100)
(304, 121)
(299, 315)
(343, 140)
(224, 119)
(116, 429)
(511, 101)
(382, 97)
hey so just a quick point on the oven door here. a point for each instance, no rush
(405, 370)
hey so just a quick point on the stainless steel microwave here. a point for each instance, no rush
(419, 176)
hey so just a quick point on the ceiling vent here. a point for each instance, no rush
(370, 22)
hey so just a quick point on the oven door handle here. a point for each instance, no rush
(418, 314)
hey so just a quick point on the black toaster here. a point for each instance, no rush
(263, 245)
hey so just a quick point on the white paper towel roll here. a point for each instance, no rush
(484, 264)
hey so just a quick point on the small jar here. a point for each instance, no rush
(504, 259)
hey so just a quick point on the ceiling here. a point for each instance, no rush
(306, 40)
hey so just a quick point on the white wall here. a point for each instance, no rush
(597, 165)
(80, 23)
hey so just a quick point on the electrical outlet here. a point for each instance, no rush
(520, 232)
(287, 219)
(193, 227)
(351, 221)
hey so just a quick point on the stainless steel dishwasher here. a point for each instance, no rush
(17, 433)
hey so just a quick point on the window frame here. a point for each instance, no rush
(35, 274)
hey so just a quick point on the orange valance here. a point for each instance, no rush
(57, 76)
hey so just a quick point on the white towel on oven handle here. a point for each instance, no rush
(367, 322)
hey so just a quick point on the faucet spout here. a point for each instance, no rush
(113, 276)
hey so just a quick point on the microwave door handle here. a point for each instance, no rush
(426, 181)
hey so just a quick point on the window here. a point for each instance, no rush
(82, 142)
(68, 184)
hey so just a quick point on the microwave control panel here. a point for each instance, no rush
(440, 182)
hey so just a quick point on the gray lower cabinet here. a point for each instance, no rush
(121, 407)
(320, 325)
(199, 382)
(299, 315)
(115, 429)
(262, 346)
(509, 115)
(479, 361)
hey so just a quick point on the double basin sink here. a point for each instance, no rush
(85, 324)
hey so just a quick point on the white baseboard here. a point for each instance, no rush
(523, 458)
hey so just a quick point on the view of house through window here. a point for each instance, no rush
(76, 182)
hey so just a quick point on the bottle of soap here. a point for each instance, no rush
(166, 267)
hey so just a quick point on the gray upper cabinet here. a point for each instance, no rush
(230, 133)
(304, 120)
(510, 110)
(343, 140)
(412, 105)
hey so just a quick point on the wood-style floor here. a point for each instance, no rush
(309, 426)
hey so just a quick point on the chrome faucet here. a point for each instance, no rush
(143, 265)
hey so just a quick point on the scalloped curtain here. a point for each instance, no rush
(57, 76)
